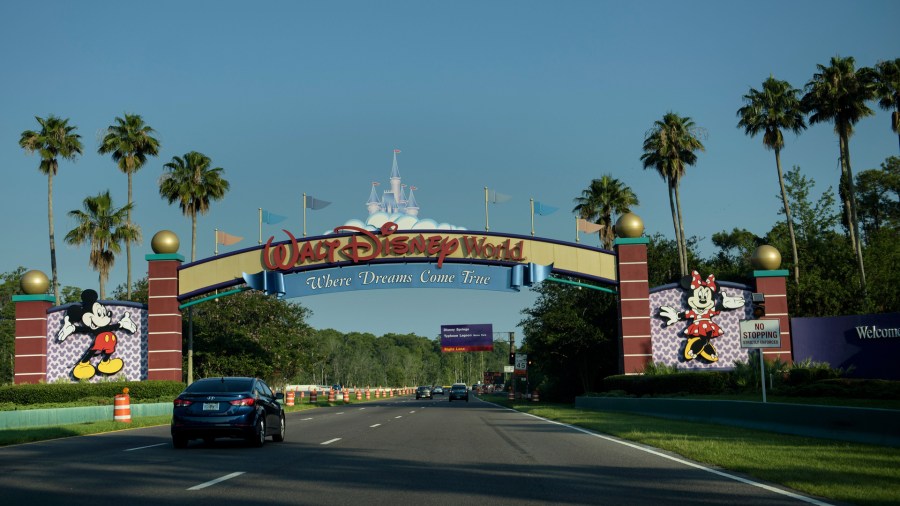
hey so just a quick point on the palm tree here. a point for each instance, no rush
(838, 93)
(104, 227)
(603, 198)
(191, 182)
(774, 108)
(56, 139)
(669, 148)
(130, 141)
(887, 89)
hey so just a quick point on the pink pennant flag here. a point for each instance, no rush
(588, 227)
(396, 151)
(227, 239)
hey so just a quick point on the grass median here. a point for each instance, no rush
(835, 470)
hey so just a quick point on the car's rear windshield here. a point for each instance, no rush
(220, 385)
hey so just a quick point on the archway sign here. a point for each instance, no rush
(354, 258)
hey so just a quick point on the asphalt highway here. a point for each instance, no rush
(392, 451)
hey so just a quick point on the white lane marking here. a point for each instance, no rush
(142, 447)
(341, 413)
(304, 419)
(330, 441)
(401, 416)
(217, 480)
(373, 426)
(411, 412)
(362, 408)
(763, 486)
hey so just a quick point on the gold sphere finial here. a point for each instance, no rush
(165, 241)
(34, 283)
(766, 258)
(630, 226)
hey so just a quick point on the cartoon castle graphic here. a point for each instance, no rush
(395, 200)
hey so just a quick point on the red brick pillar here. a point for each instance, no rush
(163, 318)
(773, 285)
(635, 350)
(31, 337)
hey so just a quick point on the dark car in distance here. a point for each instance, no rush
(437, 390)
(232, 407)
(460, 392)
(423, 392)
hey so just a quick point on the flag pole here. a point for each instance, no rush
(486, 227)
(576, 230)
(260, 226)
(304, 215)
(216, 247)
(532, 217)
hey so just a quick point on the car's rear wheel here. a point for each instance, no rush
(280, 436)
(258, 438)
(209, 440)
(179, 442)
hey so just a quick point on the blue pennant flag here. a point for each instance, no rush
(544, 209)
(316, 204)
(527, 275)
(268, 282)
(272, 218)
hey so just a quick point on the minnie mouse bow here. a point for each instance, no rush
(696, 282)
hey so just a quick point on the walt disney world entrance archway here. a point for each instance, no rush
(358, 259)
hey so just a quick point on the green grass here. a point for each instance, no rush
(30, 435)
(840, 471)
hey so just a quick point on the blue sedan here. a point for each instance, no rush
(232, 407)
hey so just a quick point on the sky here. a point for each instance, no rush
(531, 99)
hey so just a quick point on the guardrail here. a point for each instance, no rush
(29, 418)
(861, 425)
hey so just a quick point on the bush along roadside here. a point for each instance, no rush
(803, 379)
(49, 393)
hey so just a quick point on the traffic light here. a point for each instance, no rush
(512, 358)
(759, 305)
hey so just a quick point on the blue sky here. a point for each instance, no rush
(533, 99)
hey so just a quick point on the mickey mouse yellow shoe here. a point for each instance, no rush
(84, 370)
(110, 366)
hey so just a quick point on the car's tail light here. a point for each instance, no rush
(182, 403)
(249, 401)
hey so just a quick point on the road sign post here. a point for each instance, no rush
(761, 334)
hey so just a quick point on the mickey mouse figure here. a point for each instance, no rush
(703, 307)
(93, 318)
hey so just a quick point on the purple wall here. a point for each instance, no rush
(868, 343)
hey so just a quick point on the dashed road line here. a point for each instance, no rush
(373, 426)
(330, 441)
(142, 447)
(217, 480)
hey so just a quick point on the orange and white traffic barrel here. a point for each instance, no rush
(122, 407)
(331, 395)
(535, 397)
(346, 396)
(368, 393)
(358, 395)
(312, 396)
(290, 398)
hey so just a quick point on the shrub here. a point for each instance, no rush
(666, 384)
(48, 393)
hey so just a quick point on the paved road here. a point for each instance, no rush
(395, 451)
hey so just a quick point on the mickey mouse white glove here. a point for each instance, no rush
(67, 330)
(127, 324)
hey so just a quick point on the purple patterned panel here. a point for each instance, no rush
(62, 356)
(668, 341)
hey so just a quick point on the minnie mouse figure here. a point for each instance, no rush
(91, 317)
(703, 307)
